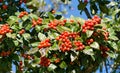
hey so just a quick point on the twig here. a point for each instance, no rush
(106, 67)
(87, 12)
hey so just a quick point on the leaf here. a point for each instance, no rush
(41, 36)
(73, 57)
(54, 46)
(13, 36)
(111, 54)
(33, 50)
(95, 45)
(38, 28)
(35, 44)
(113, 45)
(81, 5)
(89, 33)
(103, 8)
(25, 18)
(88, 50)
(35, 61)
(63, 65)
(63, 28)
(15, 57)
(26, 36)
(113, 38)
(16, 43)
(112, 32)
(51, 67)
(12, 19)
(51, 16)
(33, 16)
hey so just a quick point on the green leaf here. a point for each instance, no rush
(103, 8)
(12, 19)
(63, 65)
(26, 36)
(38, 28)
(73, 57)
(54, 46)
(35, 44)
(51, 67)
(15, 57)
(111, 54)
(88, 50)
(13, 36)
(51, 16)
(16, 43)
(112, 32)
(35, 62)
(33, 50)
(113, 38)
(95, 45)
(41, 36)
(89, 33)
(113, 45)
(81, 5)
(63, 28)
(25, 18)
(33, 16)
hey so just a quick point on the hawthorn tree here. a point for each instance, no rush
(46, 42)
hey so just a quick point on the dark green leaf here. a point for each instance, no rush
(95, 45)
(63, 64)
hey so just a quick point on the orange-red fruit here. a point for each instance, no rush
(21, 31)
(79, 45)
(4, 7)
(1, 1)
(44, 44)
(57, 60)
(20, 63)
(53, 11)
(44, 61)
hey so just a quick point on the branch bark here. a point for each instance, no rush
(87, 13)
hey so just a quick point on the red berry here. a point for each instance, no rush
(4, 7)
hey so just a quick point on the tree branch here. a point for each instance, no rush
(87, 13)
(106, 67)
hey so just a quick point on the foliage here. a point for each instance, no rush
(48, 42)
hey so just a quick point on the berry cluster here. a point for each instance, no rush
(89, 24)
(79, 45)
(44, 44)
(22, 14)
(21, 31)
(73, 35)
(5, 29)
(53, 24)
(4, 54)
(36, 22)
(22, 1)
(44, 61)
(104, 49)
(89, 41)
(20, 65)
(66, 44)
(26, 56)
